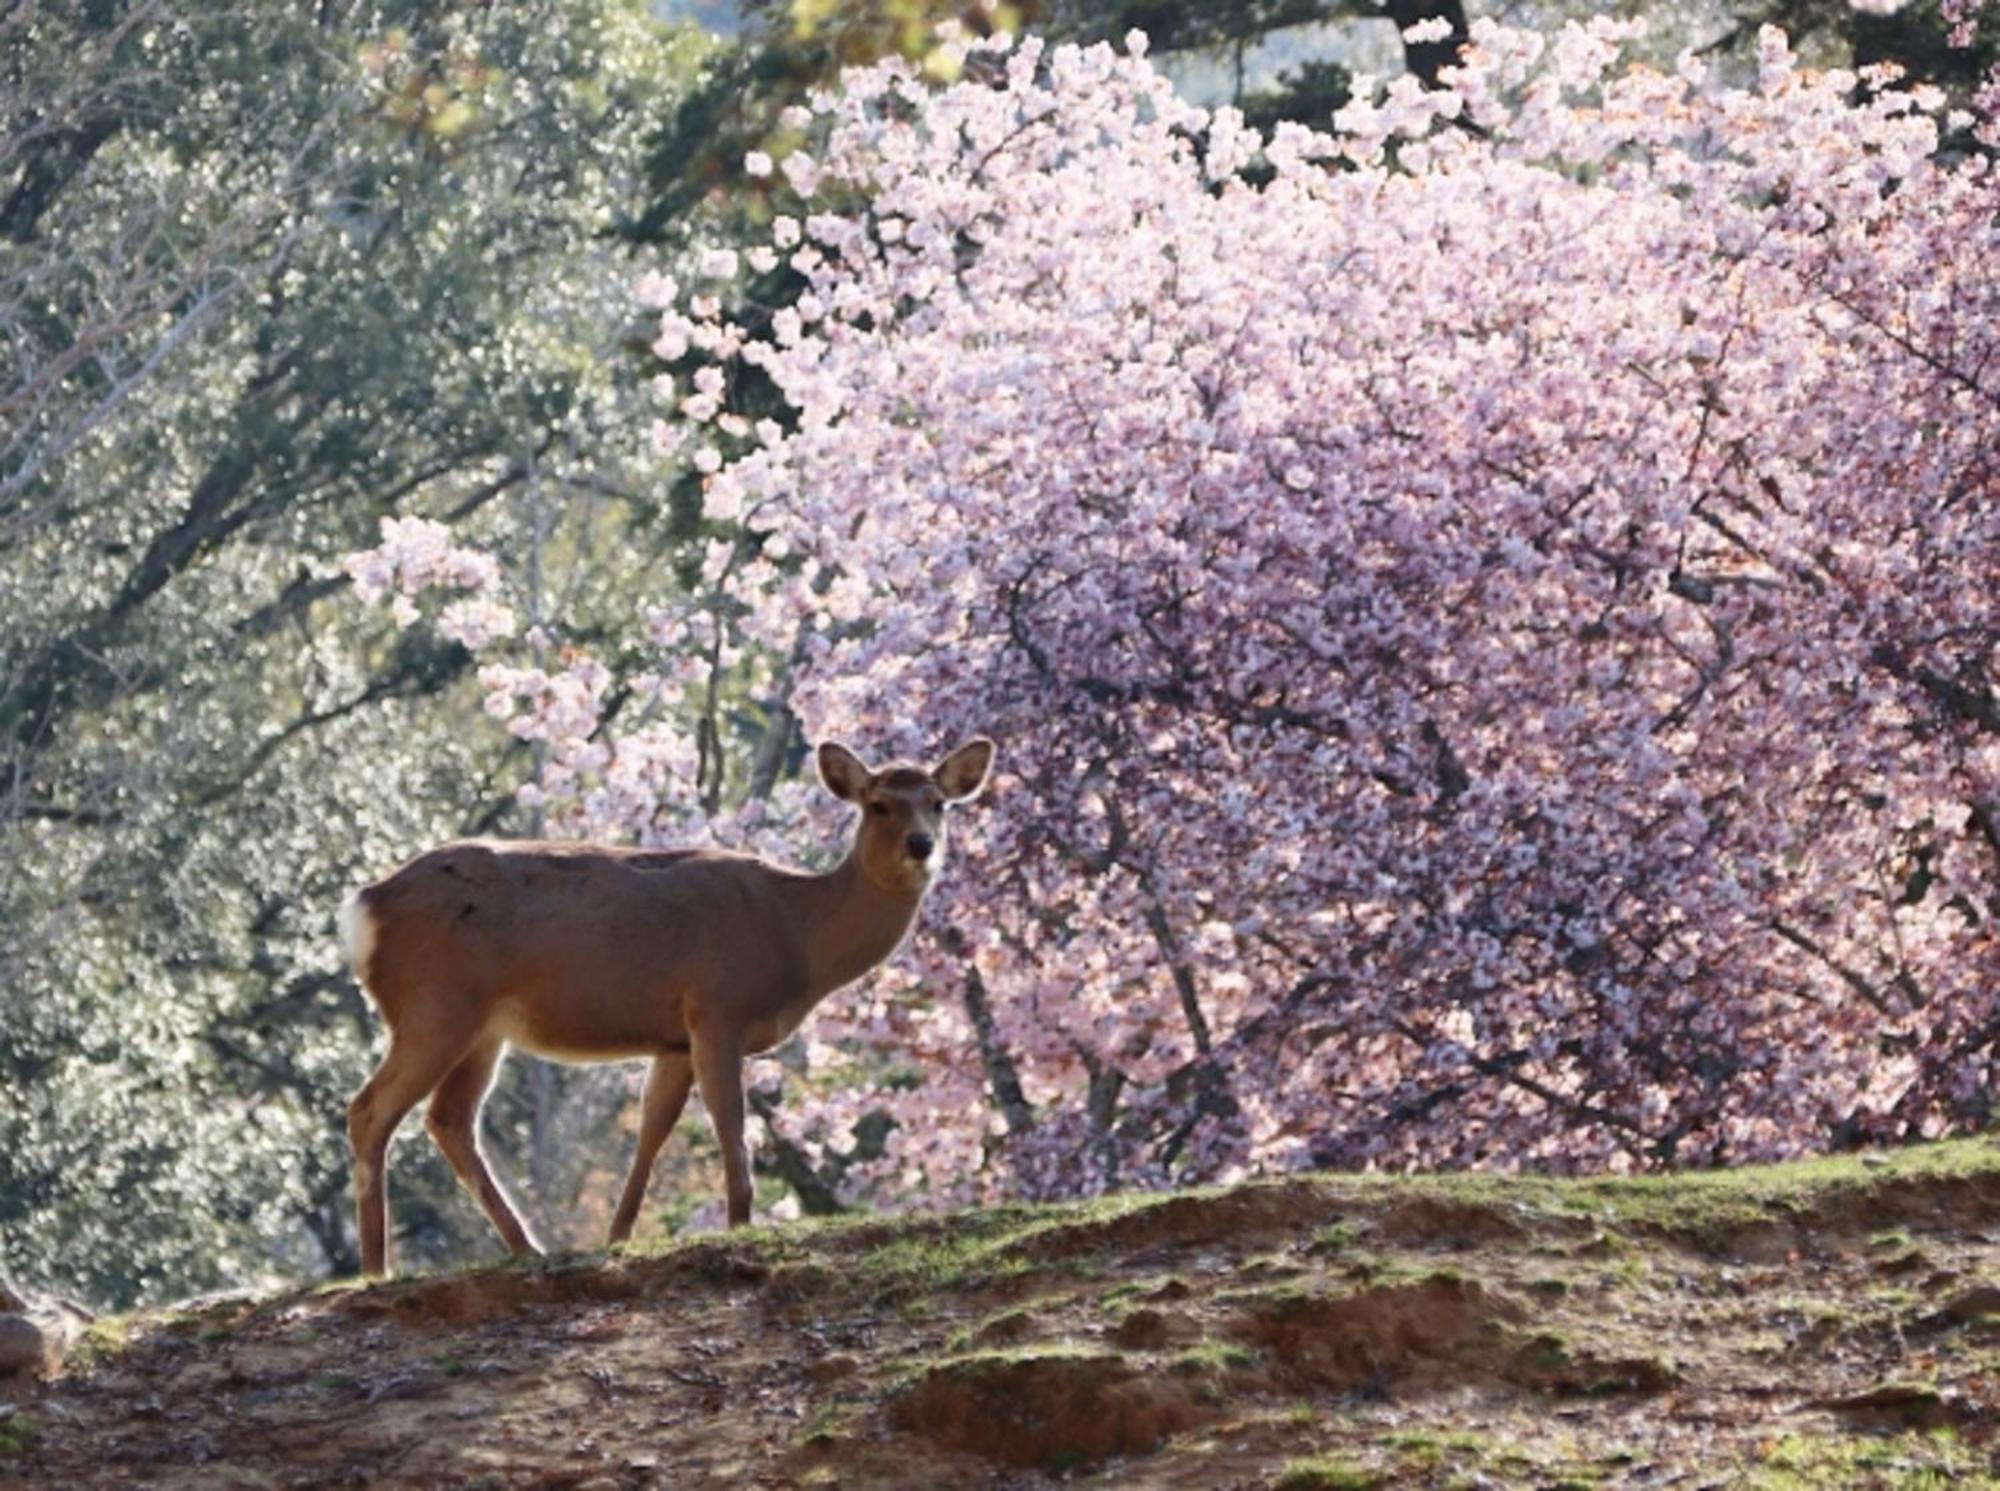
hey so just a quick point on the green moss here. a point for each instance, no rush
(1270, 1266)
(827, 1425)
(1627, 1268)
(1895, 1297)
(1153, 1287)
(1903, 1462)
(1325, 1474)
(329, 1288)
(1386, 1272)
(1003, 1356)
(19, 1433)
(948, 1258)
(1696, 1206)
(1036, 1229)
(1544, 1351)
(1000, 1323)
(1211, 1356)
(1426, 1449)
(105, 1338)
(1273, 1299)
(1679, 1202)
(1337, 1238)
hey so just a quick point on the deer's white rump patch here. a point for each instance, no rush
(357, 934)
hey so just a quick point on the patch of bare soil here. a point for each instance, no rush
(1834, 1325)
(1443, 1219)
(1147, 1329)
(1051, 1409)
(1397, 1333)
(1250, 1215)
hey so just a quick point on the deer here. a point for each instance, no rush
(692, 958)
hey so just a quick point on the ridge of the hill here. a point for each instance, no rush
(1832, 1323)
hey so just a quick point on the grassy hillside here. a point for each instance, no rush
(1833, 1324)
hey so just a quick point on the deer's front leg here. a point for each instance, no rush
(718, 1070)
(666, 1092)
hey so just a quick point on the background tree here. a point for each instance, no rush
(1488, 650)
(271, 273)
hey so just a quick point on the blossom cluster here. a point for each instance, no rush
(1489, 611)
(420, 554)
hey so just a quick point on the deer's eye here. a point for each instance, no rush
(879, 809)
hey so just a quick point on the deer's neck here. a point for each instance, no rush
(854, 925)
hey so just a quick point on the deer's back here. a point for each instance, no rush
(576, 949)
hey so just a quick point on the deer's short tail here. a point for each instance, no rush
(357, 933)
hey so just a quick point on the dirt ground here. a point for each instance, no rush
(1834, 1324)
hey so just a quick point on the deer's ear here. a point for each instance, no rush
(963, 772)
(844, 773)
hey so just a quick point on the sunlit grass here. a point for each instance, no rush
(1932, 1461)
(1325, 1473)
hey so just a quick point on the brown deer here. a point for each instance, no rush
(695, 958)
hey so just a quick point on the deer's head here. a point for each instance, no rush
(899, 842)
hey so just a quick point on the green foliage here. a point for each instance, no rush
(788, 49)
(378, 242)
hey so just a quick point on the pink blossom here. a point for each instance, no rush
(1490, 640)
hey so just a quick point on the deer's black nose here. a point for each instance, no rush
(920, 845)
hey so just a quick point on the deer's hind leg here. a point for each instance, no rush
(453, 1121)
(667, 1086)
(413, 1067)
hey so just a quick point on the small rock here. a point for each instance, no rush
(1963, 1309)
(1913, 1405)
(831, 1369)
(202, 1378)
(1149, 1330)
(1906, 1262)
(1143, 1330)
(1893, 1395)
(600, 1483)
(23, 1348)
(1002, 1330)
(35, 1339)
(1984, 1300)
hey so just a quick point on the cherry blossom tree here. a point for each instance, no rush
(1490, 612)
